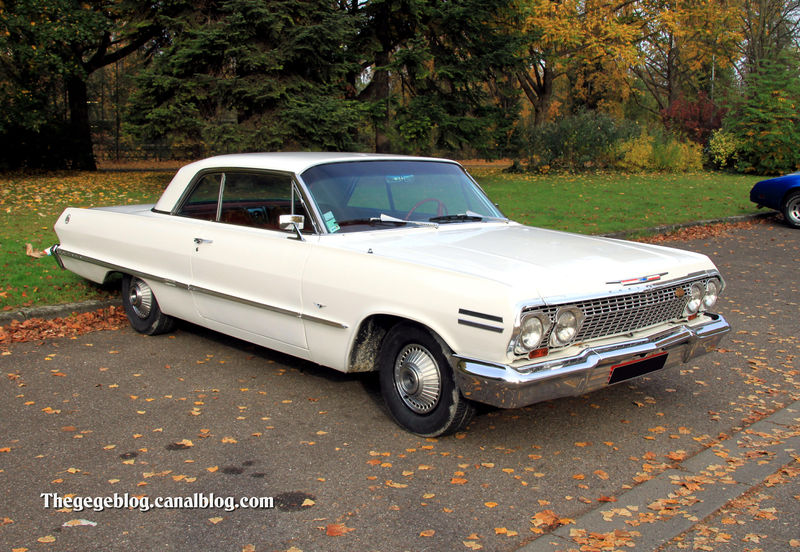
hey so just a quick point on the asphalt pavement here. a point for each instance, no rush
(701, 456)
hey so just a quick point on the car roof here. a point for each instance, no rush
(293, 162)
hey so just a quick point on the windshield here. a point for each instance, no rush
(367, 195)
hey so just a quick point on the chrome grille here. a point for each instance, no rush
(617, 314)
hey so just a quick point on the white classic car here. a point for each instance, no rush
(402, 265)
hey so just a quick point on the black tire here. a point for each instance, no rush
(142, 309)
(791, 209)
(417, 383)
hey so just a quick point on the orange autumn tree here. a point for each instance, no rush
(593, 40)
(684, 45)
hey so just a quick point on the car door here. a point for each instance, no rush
(245, 271)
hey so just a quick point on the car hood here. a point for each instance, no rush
(548, 263)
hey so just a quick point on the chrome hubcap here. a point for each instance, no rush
(417, 378)
(793, 210)
(141, 298)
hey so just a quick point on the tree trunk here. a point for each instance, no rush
(539, 91)
(78, 152)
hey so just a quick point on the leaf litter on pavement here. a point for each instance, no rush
(505, 465)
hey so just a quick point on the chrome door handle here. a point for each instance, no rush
(198, 241)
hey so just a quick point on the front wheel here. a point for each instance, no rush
(791, 210)
(142, 309)
(417, 383)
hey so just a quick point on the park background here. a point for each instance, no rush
(590, 116)
(632, 85)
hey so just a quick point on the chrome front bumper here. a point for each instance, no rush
(509, 386)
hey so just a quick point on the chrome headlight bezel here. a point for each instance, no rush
(695, 299)
(703, 295)
(712, 290)
(568, 322)
(530, 325)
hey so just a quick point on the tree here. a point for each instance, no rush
(769, 29)
(683, 44)
(48, 48)
(240, 75)
(451, 92)
(764, 119)
(575, 37)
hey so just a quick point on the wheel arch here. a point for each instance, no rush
(791, 190)
(363, 354)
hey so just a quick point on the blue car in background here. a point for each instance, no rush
(781, 194)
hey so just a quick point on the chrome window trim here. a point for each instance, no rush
(192, 288)
(297, 187)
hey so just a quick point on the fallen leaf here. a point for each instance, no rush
(337, 529)
(427, 533)
(79, 522)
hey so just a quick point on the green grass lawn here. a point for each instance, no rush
(30, 205)
(590, 204)
(602, 203)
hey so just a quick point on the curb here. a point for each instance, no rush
(715, 476)
(55, 311)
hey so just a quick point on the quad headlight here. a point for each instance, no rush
(533, 327)
(713, 287)
(568, 322)
(702, 296)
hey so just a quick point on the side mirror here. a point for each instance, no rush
(292, 223)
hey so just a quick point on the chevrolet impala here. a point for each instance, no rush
(400, 265)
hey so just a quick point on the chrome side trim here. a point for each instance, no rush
(508, 386)
(198, 289)
(265, 306)
(55, 252)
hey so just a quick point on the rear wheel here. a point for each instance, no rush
(142, 309)
(791, 210)
(417, 383)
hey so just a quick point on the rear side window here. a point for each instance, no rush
(202, 202)
(248, 198)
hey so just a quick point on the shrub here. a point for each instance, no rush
(696, 119)
(659, 152)
(723, 149)
(586, 140)
(636, 154)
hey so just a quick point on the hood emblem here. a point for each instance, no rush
(640, 280)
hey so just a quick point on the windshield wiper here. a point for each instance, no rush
(469, 216)
(387, 218)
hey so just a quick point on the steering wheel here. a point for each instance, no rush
(440, 209)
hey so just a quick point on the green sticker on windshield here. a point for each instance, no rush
(330, 222)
